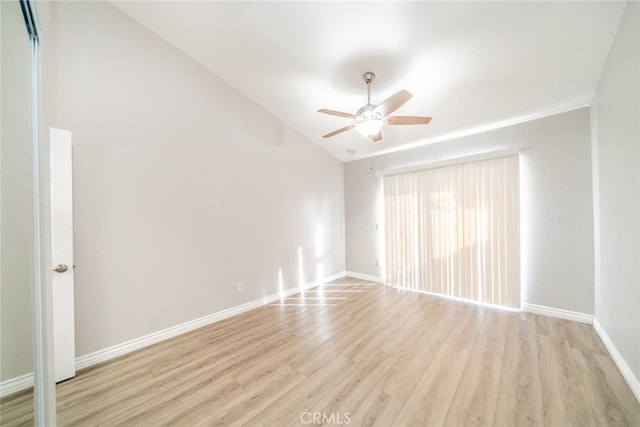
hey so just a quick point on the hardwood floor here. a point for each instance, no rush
(353, 352)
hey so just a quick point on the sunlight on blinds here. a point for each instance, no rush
(454, 231)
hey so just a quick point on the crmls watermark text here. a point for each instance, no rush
(323, 418)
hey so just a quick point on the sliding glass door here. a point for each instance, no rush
(454, 231)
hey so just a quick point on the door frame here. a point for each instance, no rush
(44, 392)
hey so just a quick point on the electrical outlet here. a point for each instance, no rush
(378, 263)
(240, 287)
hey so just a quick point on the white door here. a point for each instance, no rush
(62, 254)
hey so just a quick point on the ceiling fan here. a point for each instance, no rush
(369, 119)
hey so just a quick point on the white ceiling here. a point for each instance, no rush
(471, 66)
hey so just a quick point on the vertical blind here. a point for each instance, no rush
(454, 231)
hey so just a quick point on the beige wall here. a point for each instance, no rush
(183, 186)
(556, 205)
(616, 153)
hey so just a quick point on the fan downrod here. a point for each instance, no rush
(368, 77)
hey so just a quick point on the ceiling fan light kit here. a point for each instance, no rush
(370, 118)
(369, 127)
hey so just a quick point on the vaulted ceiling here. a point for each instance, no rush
(471, 66)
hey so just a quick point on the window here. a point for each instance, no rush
(454, 231)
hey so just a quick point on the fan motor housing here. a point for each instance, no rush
(368, 112)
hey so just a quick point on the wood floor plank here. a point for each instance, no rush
(207, 409)
(584, 337)
(17, 410)
(127, 391)
(520, 375)
(257, 396)
(513, 410)
(414, 361)
(429, 320)
(497, 323)
(476, 396)
(371, 339)
(317, 355)
(563, 397)
(18, 402)
(289, 407)
(138, 364)
(430, 400)
(382, 356)
(287, 349)
(377, 409)
(466, 325)
(611, 399)
(349, 391)
(168, 405)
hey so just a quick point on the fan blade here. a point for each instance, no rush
(377, 137)
(338, 113)
(335, 132)
(392, 103)
(407, 120)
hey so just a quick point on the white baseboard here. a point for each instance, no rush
(367, 277)
(625, 370)
(147, 340)
(153, 338)
(531, 308)
(558, 312)
(14, 385)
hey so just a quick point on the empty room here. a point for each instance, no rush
(291, 213)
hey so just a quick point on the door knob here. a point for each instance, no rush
(61, 268)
